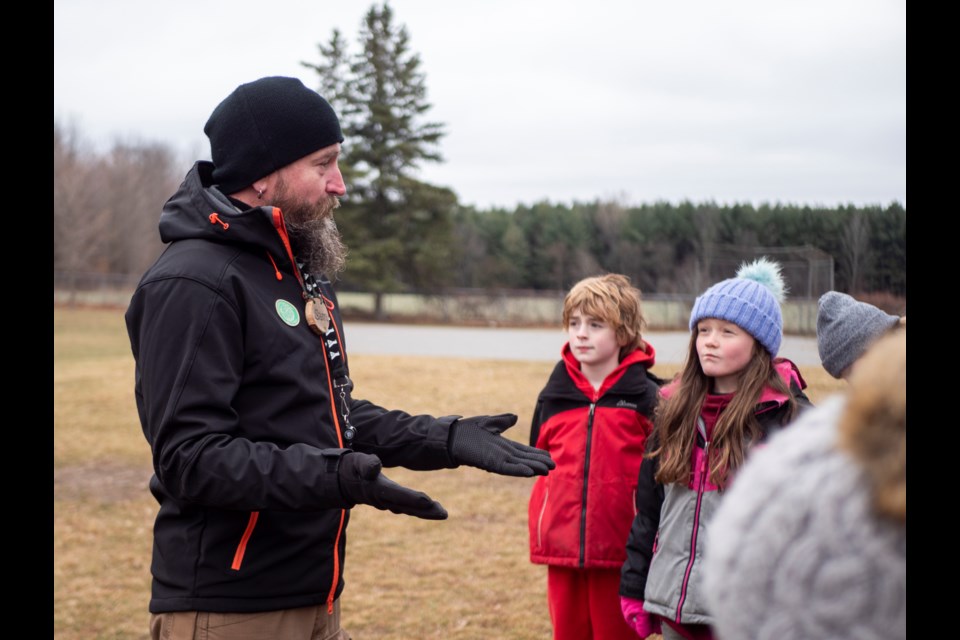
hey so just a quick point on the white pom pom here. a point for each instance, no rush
(767, 273)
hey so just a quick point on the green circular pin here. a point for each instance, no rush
(288, 313)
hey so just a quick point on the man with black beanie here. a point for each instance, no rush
(242, 385)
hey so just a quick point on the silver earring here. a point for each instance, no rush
(260, 194)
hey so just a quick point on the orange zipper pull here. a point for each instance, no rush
(215, 219)
(275, 269)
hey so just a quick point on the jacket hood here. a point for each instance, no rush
(198, 210)
(790, 375)
(644, 358)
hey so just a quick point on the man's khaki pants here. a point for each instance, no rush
(305, 623)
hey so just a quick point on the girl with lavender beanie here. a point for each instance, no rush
(732, 393)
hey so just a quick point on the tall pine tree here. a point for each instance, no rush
(397, 227)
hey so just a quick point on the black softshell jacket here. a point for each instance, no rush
(235, 399)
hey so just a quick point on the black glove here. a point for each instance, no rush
(477, 442)
(362, 483)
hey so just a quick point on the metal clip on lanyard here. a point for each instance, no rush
(342, 385)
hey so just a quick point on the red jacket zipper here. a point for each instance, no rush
(586, 478)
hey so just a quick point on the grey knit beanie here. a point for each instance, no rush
(845, 328)
(795, 550)
(265, 125)
(751, 301)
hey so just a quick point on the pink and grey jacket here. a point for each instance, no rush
(665, 547)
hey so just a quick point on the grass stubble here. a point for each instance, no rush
(468, 577)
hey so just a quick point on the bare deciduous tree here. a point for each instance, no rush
(106, 206)
(855, 239)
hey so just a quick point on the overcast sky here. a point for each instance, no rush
(796, 101)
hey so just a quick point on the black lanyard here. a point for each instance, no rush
(333, 351)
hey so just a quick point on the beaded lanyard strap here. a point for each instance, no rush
(318, 318)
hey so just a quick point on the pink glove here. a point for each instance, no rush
(639, 620)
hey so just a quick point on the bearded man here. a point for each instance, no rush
(242, 385)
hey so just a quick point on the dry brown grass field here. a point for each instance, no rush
(468, 577)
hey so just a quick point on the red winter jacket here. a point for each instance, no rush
(580, 514)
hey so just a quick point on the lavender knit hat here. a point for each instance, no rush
(751, 300)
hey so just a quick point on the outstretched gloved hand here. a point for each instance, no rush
(362, 483)
(477, 442)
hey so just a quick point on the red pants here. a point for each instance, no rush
(585, 604)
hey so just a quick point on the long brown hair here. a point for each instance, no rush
(676, 419)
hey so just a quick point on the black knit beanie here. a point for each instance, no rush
(265, 125)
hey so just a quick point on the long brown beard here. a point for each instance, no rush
(314, 236)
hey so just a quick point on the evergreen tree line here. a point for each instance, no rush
(679, 248)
